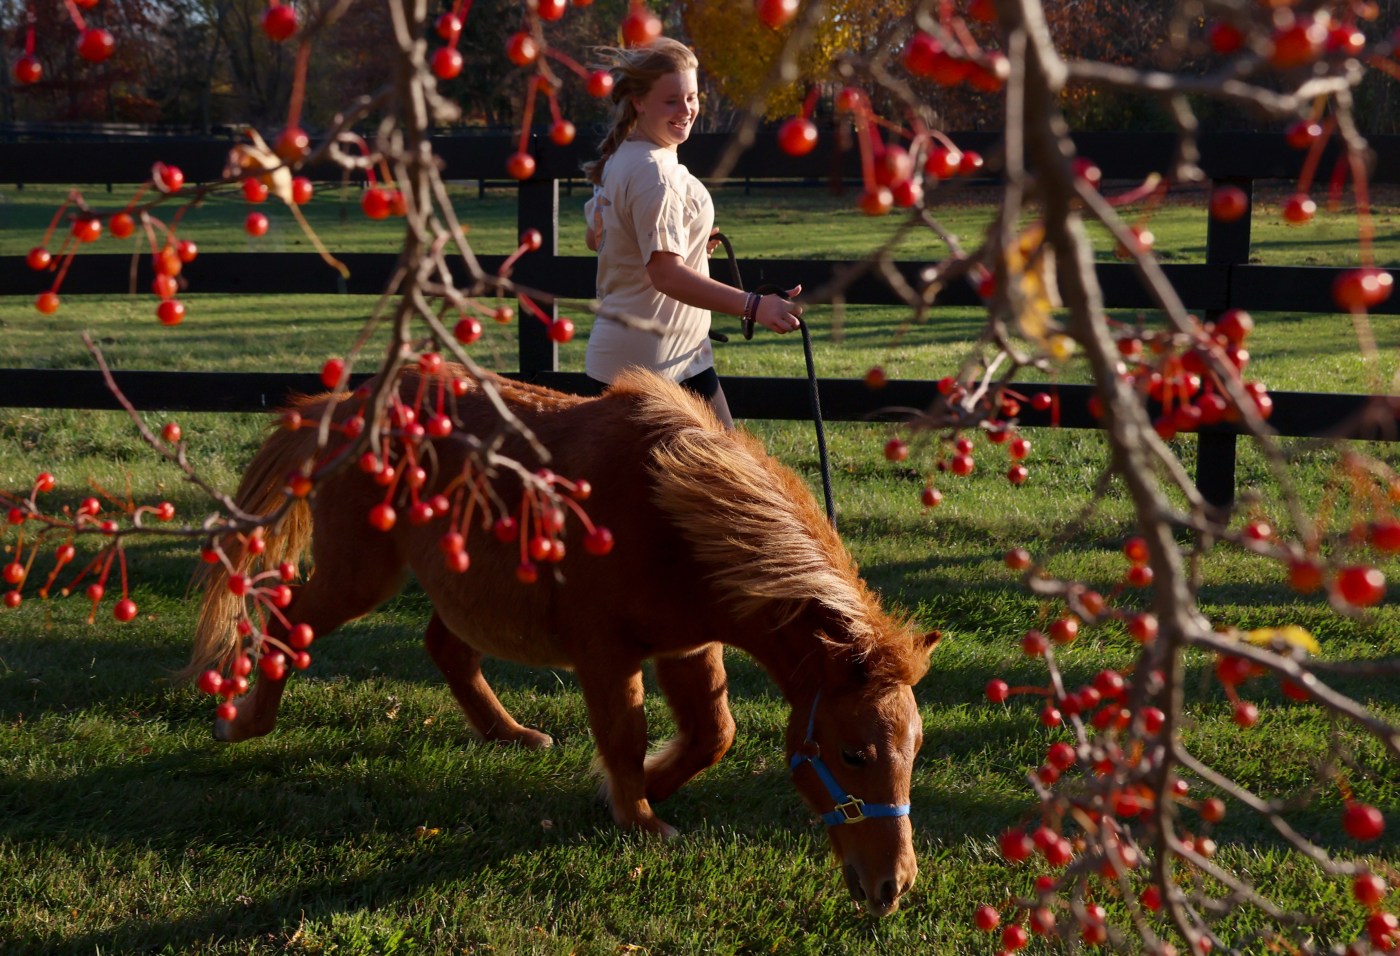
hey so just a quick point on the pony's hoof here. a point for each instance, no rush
(533, 739)
(223, 731)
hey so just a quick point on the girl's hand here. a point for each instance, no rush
(712, 242)
(779, 313)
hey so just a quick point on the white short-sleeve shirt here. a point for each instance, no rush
(648, 202)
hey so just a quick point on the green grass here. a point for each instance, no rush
(373, 822)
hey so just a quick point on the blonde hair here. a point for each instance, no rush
(635, 70)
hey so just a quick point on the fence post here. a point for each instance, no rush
(538, 208)
(1227, 244)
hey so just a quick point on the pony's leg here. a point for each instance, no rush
(620, 731)
(461, 665)
(698, 692)
(335, 594)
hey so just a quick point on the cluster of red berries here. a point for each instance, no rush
(958, 459)
(890, 170)
(265, 596)
(67, 523)
(1289, 39)
(528, 47)
(545, 501)
(94, 45)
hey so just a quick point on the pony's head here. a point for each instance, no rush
(851, 748)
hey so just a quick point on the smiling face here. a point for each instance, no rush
(667, 112)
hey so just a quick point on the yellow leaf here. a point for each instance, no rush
(1290, 634)
(1030, 270)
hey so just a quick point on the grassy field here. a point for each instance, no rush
(373, 822)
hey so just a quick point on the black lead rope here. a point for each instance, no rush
(769, 289)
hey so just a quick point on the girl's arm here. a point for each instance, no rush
(672, 277)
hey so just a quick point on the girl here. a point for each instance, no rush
(651, 222)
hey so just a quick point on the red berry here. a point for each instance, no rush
(526, 572)
(1135, 550)
(776, 14)
(551, 9)
(273, 665)
(382, 516)
(931, 497)
(124, 610)
(254, 190)
(1368, 889)
(47, 302)
(1017, 559)
(279, 22)
(1228, 203)
(961, 465)
(561, 331)
(986, 918)
(1016, 846)
(1014, 937)
(302, 190)
(448, 26)
(256, 224)
(1384, 929)
(1142, 627)
(1363, 821)
(562, 132)
(997, 690)
(28, 70)
(1060, 755)
(520, 166)
(447, 63)
(1357, 290)
(38, 258)
(95, 45)
(640, 26)
(896, 450)
(333, 373)
(170, 312)
(1234, 326)
(876, 201)
(1361, 585)
(87, 229)
(121, 225)
(210, 682)
(1245, 714)
(1299, 209)
(599, 541)
(1298, 45)
(797, 136)
(377, 202)
(1224, 37)
(600, 84)
(1064, 630)
(1034, 643)
(467, 330)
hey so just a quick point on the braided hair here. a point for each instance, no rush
(634, 71)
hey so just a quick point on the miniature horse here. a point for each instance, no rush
(716, 543)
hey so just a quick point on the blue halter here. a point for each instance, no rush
(848, 809)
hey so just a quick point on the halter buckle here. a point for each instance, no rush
(853, 810)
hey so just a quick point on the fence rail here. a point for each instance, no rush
(1225, 280)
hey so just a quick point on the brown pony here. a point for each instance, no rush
(716, 543)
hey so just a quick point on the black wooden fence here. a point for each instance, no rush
(1225, 280)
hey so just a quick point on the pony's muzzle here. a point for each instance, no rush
(881, 899)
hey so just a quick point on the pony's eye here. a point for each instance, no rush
(854, 758)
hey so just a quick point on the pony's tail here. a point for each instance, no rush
(262, 491)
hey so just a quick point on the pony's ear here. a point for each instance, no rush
(930, 640)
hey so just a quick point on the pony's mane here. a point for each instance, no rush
(756, 526)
